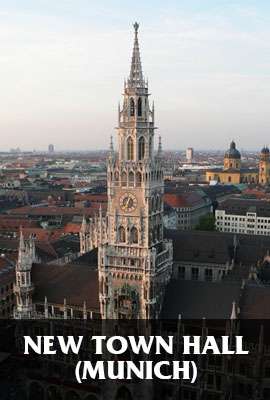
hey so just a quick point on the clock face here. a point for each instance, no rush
(128, 202)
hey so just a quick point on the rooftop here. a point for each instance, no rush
(241, 206)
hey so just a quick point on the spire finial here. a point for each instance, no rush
(136, 28)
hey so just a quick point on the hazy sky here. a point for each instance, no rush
(63, 63)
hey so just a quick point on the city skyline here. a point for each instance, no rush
(63, 66)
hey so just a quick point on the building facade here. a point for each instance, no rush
(189, 208)
(136, 262)
(189, 154)
(238, 215)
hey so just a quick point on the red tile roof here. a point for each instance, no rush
(53, 210)
(181, 200)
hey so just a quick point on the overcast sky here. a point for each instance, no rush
(63, 63)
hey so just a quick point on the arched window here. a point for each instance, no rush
(132, 107)
(134, 235)
(131, 178)
(138, 179)
(153, 204)
(157, 203)
(130, 148)
(124, 179)
(141, 148)
(121, 234)
(139, 107)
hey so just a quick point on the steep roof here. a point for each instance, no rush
(197, 299)
(240, 206)
(90, 259)
(218, 247)
(187, 199)
(255, 302)
(75, 283)
(197, 246)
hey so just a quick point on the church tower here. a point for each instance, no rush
(232, 158)
(135, 263)
(264, 166)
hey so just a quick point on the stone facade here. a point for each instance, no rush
(93, 233)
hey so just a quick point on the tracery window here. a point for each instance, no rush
(122, 234)
(134, 235)
(139, 107)
(130, 148)
(141, 148)
(132, 107)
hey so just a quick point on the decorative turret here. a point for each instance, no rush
(232, 158)
(23, 287)
(264, 166)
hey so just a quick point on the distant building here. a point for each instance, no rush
(189, 154)
(189, 207)
(51, 148)
(234, 173)
(248, 216)
(264, 166)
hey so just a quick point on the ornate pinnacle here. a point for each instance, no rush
(233, 314)
(111, 144)
(21, 243)
(159, 146)
(136, 27)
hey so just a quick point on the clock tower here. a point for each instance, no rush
(135, 263)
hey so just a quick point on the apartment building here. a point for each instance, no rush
(247, 216)
(189, 207)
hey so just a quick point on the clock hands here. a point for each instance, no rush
(128, 203)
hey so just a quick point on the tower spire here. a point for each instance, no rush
(136, 75)
(21, 242)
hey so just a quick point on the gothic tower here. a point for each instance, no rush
(24, 287)
(264, 166)
(135, 263)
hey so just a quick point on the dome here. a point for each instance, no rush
(265, 150)
(232, 152)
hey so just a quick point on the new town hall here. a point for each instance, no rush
(129, 266)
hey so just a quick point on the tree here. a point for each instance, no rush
(206, 223)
